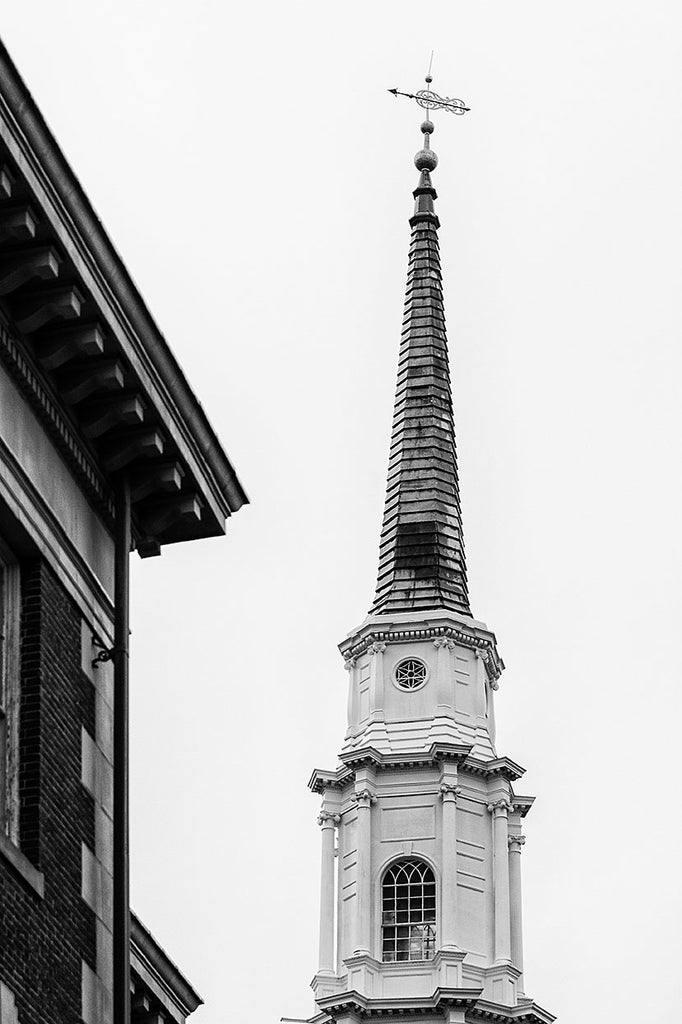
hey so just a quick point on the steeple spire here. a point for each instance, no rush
(421, 555)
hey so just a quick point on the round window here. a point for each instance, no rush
(410, 674)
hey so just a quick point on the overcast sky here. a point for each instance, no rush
(256, 178)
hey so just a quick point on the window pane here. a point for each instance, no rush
(409, 912)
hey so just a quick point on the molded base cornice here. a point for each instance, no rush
(497, 767)
(350, 1006)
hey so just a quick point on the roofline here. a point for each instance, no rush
(142, 938)
(76, 203)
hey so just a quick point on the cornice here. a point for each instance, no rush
(502, 767)
(525, 1013)
(160, 969)
(87, 273)
(368, 1008)
(376, 639)
(26, 376)
(522, 804)
(499, 767)
(321, 779)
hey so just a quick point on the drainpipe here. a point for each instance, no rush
(121, 943)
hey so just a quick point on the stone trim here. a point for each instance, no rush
(32, 512)
(22, 865)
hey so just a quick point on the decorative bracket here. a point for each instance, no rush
(104, 653)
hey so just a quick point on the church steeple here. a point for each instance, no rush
(421, 554)
(422, 826)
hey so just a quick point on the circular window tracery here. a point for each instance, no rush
(410, 674)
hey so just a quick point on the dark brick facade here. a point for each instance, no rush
(43, 940)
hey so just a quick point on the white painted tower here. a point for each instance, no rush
(422, 827)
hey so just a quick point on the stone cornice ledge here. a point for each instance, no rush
(22, 866)
(375, 1008)
(522, 804)
(321, 779)
(501, 767)
(527, 1012)
(430, 625)
(159, 972)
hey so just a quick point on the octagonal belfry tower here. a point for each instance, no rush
(421, 891)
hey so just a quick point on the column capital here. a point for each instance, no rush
(327, 819)
(483, 655)
(444, 641)
(500, 808)
(515, 843)
(449, 791)
(364, 797)
(349, 663)
(378, 647)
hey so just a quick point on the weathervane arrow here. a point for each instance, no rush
(430, 100)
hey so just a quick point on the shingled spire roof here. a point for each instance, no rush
(421, 554)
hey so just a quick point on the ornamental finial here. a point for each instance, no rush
(428, 100)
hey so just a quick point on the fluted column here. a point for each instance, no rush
(449, 915)
(364, 799)
(515, 898)
(327, 823)
(499, 811)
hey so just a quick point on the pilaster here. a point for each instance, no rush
(499, 811)
(449, 791)
(516, 843)
(365, 797)
(327, 821)
(445, 681)
(376, 679)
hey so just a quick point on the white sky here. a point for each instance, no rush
(256, 177)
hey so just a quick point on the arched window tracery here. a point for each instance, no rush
(408, 912)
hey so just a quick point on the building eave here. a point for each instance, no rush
(98, 277)
(159, 973)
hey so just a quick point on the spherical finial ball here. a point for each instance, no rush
(426, 160)
(428, 79)
(428, 127)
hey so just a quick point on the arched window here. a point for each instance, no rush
(408, 912)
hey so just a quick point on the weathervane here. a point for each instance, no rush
(429, 100)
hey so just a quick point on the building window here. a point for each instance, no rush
(408, 912)
(9, 694)
(410, 674)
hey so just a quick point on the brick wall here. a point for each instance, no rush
(44, 941)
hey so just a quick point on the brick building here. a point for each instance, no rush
(103, 449)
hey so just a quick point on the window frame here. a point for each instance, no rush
(10, 691)
(429, 942)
